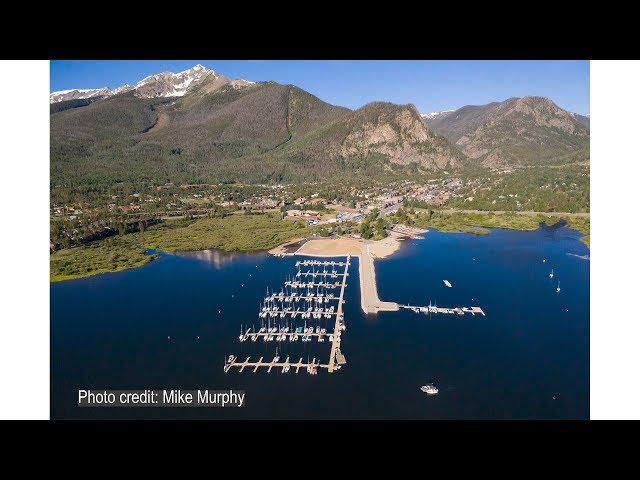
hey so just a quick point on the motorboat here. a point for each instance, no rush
(429, 389)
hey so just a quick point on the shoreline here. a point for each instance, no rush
(379, 249)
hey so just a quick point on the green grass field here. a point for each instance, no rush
(232, 233)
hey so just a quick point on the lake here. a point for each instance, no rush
(171, 323)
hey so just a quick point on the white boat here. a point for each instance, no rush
(551, 274)
(558, 287)
(447, 283)
(429, 389)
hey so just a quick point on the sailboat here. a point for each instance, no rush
(558, 287)
(551, 274)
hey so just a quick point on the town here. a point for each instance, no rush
(86, 218)
(80, 216)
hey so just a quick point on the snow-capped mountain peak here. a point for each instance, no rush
(165, 84)
(432, 115)
(78, 94)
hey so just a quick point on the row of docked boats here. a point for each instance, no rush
(281, 334)
(309, 263)
(281, 311)
(296, 297)
(435, 309)
(301, 284)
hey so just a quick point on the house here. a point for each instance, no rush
(348, 216)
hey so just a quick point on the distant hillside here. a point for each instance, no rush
(455, 124)
(525, 131)
(235, 130)
(75, 103)
(582, 119)
(200, 126)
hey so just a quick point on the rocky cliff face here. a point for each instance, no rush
(397, 132)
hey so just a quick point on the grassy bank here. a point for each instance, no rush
(478, 223)
(231, 233)
(259, 232)
(109, 255)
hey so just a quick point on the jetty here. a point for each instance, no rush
(369, 300)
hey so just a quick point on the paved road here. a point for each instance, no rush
(499, 212)
(527, 212)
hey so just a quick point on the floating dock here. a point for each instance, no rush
(319, 263)
(445, 310)
(311, 367)
(295, 284)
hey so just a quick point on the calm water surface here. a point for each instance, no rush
(171, 323)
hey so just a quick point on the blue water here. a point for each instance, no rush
(171, 323)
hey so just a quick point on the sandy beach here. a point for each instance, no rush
(334, 247)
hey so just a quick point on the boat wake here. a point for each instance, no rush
(583, 257)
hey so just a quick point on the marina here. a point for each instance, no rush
(310, 296)
(281, 305)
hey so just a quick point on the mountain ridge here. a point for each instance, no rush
(522, 130)
(200, 125)
(164, 84)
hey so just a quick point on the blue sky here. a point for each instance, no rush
(429, 85)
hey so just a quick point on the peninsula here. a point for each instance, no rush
(366, 251)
